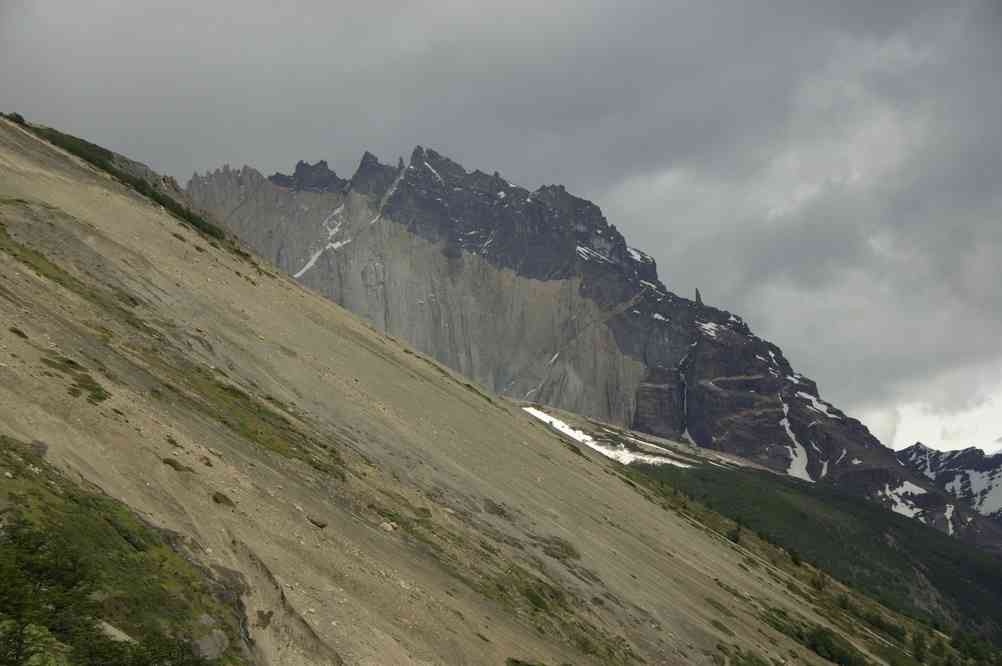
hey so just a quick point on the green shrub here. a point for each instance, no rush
(824, 643)
(47, 608)
(72, 559)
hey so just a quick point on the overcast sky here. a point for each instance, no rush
(832, 171)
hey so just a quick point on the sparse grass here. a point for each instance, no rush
(560, 549)
(246, 416)
(719, 607)
(109, 302)
(82, 380)
(552, 608)
(721, 627)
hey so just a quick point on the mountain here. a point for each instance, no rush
(969, 474)
(202, 462)
(534, 295)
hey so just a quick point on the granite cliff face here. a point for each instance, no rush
(536, 296)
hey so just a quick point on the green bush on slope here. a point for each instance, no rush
(70, 559)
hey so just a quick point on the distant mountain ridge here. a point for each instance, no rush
(536, 296)
(315, 177)
(969, 474)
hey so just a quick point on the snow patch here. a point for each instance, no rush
(620, 454)
(817, 405)
(587, 254)
(637, 255)
(309, 264)
(435, 173)
(798, 454)
(331, 232)
(985, 489)
(709, 328)
(900, 502)
(948, 514)
(856, 461)
(659, 317)
(316, 255)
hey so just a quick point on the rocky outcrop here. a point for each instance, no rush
(536, 296)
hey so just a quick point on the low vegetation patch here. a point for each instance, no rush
(869, 549)
(250, 418)
(177, 466)
(82, 380)
(111, 302)
(71, 559)
(820, 640)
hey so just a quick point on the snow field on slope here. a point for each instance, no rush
(620, 454)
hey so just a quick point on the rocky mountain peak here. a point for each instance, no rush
(968, 474)
(373, 177)
(314, 177)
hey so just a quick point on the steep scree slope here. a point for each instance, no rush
(373, 507)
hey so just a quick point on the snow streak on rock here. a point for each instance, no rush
(620, 454)
(798, 454)
(984, 489)
(817, 405)
(900, 498)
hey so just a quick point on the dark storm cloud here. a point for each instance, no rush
(830, 171)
